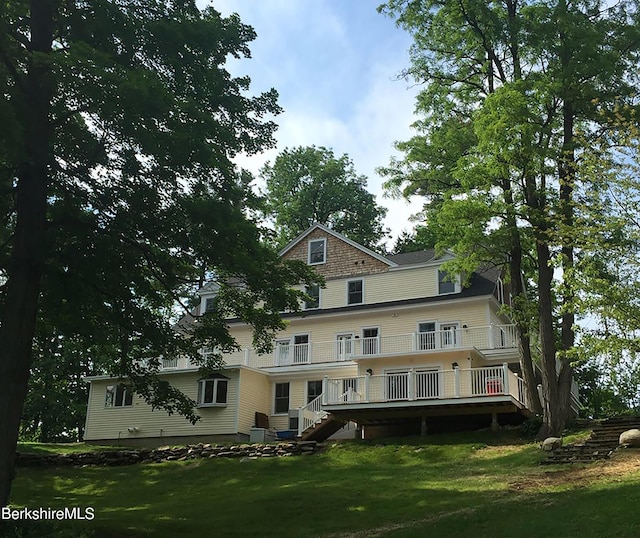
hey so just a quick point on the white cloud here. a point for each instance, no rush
(334, 65)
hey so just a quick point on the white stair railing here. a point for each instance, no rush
(311, 414)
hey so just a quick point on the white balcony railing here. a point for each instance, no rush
(424, 385)
(488, 338)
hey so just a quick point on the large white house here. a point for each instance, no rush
(391, 344)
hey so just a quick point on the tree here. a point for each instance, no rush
(308, 185)
(118, 191)
(508, 87)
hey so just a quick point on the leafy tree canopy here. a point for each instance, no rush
(119, 194)
(308, 185)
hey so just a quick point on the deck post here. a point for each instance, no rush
(411, 384)
(495, 426)
(423, 425)
(456, 381)
(505, 380)
(325, 389)
(367, 384)
(246, 356)
(491, 336)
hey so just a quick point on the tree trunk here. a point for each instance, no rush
(25, 266)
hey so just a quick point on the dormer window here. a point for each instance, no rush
(209, 304)
(446, 284)
(317, 251)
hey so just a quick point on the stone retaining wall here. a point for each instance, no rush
(147, 455)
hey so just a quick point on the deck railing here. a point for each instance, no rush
(424, 385)
(493, 337)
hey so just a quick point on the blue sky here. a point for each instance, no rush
(335, 64)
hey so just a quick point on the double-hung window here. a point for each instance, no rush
(317, 251)
(446, 284)
(355, 292)
(314, 297)
(213, 391)
(281, 399)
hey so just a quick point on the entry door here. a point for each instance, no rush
(450, 335)
(283, 353)
(344, 344)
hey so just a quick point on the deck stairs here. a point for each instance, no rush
(323, 429)
(602, 442)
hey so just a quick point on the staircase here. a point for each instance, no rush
(599, 446)
(322, 429)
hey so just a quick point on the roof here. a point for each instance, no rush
(337, 235)
(412, 258)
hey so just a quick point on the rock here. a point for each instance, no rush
(630, 438)
(551, 443)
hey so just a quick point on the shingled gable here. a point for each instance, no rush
(342, 256)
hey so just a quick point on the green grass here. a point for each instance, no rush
(60, 448)
(477, 485)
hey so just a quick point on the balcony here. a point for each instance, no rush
(488, 339)
(423, 385)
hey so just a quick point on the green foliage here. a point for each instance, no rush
(143, 202)
(515, 95)
(309, 185)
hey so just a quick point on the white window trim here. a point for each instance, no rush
(114, 390)
(201, 389)
(347, 291)
(273, 399)
(457, 287)
(324, 251)
(203, 303)
(304, 303)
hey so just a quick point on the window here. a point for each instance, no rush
(427, 335)
(314, 389)
(281, 400)
(209, 304)
(317, 251)
(301, 348)
(445, 284)
(354, 292)
(370, 341)
(213, 391)
(118, 396)
(314, 293)
(344, 345)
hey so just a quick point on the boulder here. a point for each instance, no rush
(630, 438)
(551, 443)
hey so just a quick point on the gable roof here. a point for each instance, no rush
(341, 237)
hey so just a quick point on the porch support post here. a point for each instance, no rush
(456, 382)
(494, 422)
(491, 346)
(423, 425)
(411, 384)
(414, 342)
(300, 421)
(505, 376)
(367, 385)
(325, 389)
(246, 356)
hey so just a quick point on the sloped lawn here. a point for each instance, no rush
(476, 485)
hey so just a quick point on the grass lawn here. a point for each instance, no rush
(476, 485)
